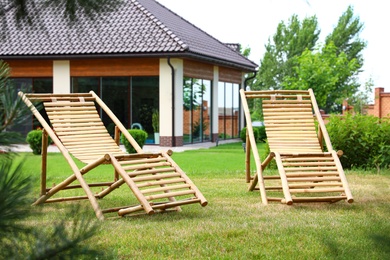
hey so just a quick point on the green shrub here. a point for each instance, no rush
(266, 152)
(262, 134)
(365, 140)
(34, 139)
(258, 132)
(139, 136)
(223, 136)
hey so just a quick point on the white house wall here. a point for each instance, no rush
(214, 101)
(166, 97)
(61, 76)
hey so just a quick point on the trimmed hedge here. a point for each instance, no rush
(34, 139)
(364, 139)
(258, 132)
(140, 137)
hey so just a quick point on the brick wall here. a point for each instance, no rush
(381, 106)
(196, 117)
(231, 124)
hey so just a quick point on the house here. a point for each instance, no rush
(140, 58)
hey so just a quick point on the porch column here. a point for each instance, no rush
(61, 76)
(166, 94)
(242, 116)
(214, 102)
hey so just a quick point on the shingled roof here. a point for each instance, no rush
(138, 28)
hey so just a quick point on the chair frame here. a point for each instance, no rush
(128, 168)
(323, 137)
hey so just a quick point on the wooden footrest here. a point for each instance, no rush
(317, 199)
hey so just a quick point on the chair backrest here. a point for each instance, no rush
(289, 120)
(289, 123)
(77, 124)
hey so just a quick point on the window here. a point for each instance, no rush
(36, 85)
(228, 110)
(196, 110)
(131, 99)
(144, 102)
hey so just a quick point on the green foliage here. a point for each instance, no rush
(198, 129)
(324, 71)
(290, 40)
(345, 36)
(155, 121)
(139, 136)
(258, 132)
(224, 136)
(262, 134)
(12, 109)
(264, 154)
(362, 98)
(365, 140)
(34, 139)
(193, 90)
(19, 240)
(291, 60)
(13, 198)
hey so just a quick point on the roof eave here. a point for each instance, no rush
(185, 54)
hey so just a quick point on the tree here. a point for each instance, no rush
(361, 99)
(18, 240)
(322, 71)
(290, 40)
(345, 36)
(12, 109)
(62, 240)
(295, 60)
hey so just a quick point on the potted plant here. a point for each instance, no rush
(156, 126)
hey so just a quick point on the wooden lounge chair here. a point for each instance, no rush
(307, 173)
(76, 129)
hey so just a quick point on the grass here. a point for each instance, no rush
(235, 225)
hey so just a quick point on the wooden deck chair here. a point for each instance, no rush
(76, 129)
(307, 173)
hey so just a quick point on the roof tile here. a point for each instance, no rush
(138, 26)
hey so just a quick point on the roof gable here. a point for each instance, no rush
(136, 28)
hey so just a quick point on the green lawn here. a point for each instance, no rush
(235, 225)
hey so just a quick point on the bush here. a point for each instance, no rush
(264, 155)
(224, 136)
(365, 140)
(34, 139)
(258, 132)
(262, 134)
(139, 136)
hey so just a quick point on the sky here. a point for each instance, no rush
(252, 22)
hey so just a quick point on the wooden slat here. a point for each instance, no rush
(152, 171)
(169, 194)
(291, 179)
(295, 164)
(145, 166)
(307, 106)
(319, 199)
(287, 101)
(160, 182)
(305, 159)
(324, 168)
(175, 203)
(165, 188)
(148, 160)
(67, 103)
(156, 177)
(318, 184)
